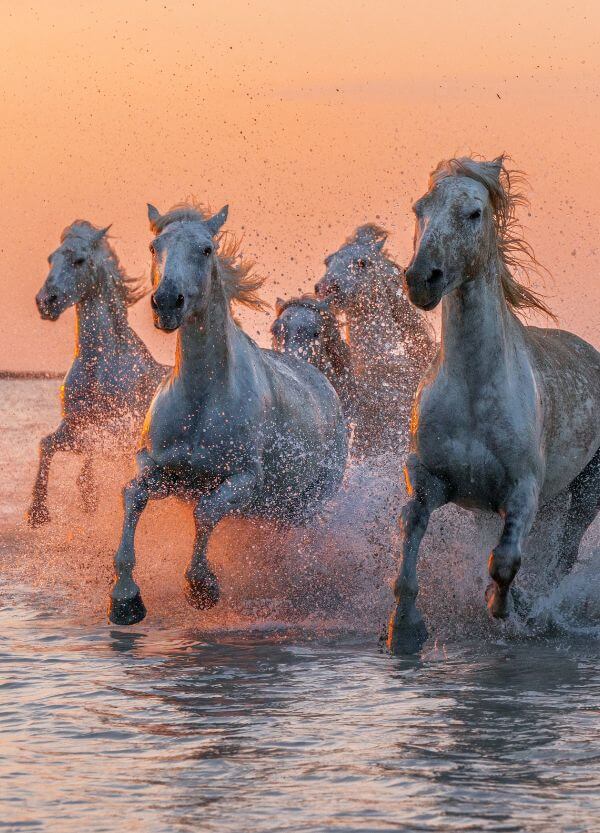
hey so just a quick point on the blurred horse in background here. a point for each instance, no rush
(113, 375)
(306, 328)
(391, 345)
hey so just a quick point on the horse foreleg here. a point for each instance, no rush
(585, 505)
(86, 483)
(505, 560)
(126, 605)
(59, 440)
(231, 497)
(407, 631)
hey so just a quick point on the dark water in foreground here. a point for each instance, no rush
(277, 711)
(159, 730)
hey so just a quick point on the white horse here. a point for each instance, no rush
(507, 417)
(113, 375)
(235, 429)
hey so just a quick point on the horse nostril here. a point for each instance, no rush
(180, 301)
(436, 275)
(52, 299)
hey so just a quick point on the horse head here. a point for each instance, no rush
(73, 269)
(350, 270)
(183, 258)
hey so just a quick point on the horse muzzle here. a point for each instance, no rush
(48, 305)
(167, 312)
(424, 287)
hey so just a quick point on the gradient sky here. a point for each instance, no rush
(308, 119)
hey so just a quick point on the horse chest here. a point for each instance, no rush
(476, 445)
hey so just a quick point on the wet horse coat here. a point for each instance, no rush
(234, 429)
(113, 375)
(507, 417)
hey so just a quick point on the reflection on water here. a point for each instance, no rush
(280, 713)
(160, 730)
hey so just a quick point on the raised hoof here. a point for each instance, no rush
(404, 636)
(127, 611)
(37, 516)
(497, 602)
(202, 594)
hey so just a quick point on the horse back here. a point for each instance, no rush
(568, 374)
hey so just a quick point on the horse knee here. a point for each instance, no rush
(135, 497)
(47, 445)
(406, 588)
(504, 564)
(413, 515)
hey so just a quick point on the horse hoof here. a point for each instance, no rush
(497, 602)
(37, 516)
(127, 611)
(203, 593)
(406, 637)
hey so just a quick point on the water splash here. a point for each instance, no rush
(335, 574)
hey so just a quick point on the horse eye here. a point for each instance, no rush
(361, 263)
(79, 261)
(207, 251)
(475, 215)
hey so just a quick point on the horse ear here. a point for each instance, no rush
(99, 235)
(371, 235)
(215, 222)
(153, 215)
(279, 304)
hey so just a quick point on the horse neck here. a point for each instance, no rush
(478, 328)
(204, 342)
(101, 320)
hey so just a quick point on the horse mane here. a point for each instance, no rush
(240, 283)
(337, 349)
(368, 233)
(130, 289)
(504, 187)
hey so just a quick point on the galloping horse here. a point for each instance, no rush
(113, 376)
(507, 417)
(390, 343)
(305, 327)
(236, 429)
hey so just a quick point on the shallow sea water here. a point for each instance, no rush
(279, 711)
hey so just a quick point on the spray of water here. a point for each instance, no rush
(334, 574)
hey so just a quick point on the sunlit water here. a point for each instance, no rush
(278, 710)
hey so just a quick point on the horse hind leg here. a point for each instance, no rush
(585, 505)
(88, 488)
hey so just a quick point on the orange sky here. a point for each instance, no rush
(307, 118)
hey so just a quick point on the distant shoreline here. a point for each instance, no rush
(31, 374)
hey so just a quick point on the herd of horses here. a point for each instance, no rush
(499, 416)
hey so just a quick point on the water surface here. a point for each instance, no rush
(279, 711)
